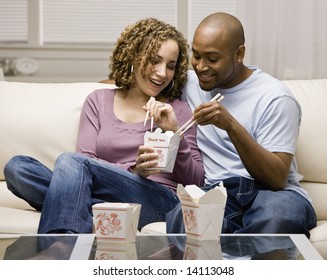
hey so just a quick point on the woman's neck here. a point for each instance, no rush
(135, 95)
(128, 105)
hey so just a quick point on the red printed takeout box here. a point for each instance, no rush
(114, 221)
(166, 145)
(203, 212)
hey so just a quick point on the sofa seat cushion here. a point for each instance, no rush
(18, 221)
(154, 228)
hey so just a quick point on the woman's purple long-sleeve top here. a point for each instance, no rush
(102, 135)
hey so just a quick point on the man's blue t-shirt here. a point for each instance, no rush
(267, 110)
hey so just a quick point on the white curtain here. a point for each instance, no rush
(286, 38)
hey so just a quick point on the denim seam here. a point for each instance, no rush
(240, 193)
(80, 192)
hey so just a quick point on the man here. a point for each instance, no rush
(248, 139)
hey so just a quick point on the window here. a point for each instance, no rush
(13, 21)
(199, 9)
(97, 22)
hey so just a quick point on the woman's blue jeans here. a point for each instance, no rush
(66, 195)
(252, 209)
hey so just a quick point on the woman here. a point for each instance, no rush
(149, 65)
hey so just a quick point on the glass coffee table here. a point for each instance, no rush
(158, 247)
(46, 247)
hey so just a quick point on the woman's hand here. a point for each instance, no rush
(163, 114)
(146, 159)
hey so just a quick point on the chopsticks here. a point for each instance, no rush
(189, 123)
(218, 97)
(147, 116)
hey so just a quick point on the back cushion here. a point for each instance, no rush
(311, 153)
(40, 119)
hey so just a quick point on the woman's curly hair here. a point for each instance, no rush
(139, 43)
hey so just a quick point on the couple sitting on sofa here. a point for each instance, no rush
(248, 142)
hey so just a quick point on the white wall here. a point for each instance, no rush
(62, 64)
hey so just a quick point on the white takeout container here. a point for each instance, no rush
(203, 212)
(166, 145)
(116, 221)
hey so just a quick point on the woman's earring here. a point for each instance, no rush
(132, 68)
(171, 87)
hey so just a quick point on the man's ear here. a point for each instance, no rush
(239, 53)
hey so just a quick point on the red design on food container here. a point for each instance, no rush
(108, 223)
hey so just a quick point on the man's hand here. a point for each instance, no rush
(270, 169)
(214, 113)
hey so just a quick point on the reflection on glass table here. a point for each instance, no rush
(41, 247)
(228, 247)
(46, 247)
(157, 247)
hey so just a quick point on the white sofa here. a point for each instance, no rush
(41, 120)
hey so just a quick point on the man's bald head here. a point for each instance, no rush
(227, 23)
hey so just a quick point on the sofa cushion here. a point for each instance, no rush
(312, 149)
(154, 228)
(40, 119)
(18, 220)
(318, 194)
